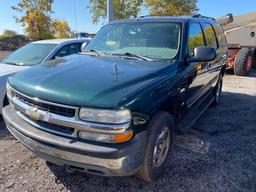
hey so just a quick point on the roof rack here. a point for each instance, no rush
(157, 15)
(201, 16)
(142, 16)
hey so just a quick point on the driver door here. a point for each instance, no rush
(196, 73)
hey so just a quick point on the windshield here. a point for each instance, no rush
(156, 40)
(31, 54)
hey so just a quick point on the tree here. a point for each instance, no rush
(172, 7)
(123, 9)
(9, 33)
(36, 18)
(61, 29)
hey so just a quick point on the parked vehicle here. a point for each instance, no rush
(241, 36)
(82, 35)
(114, 109)
(33, 54)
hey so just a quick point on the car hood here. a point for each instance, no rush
(6, 69)
(82, 80)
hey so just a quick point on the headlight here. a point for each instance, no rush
(8, 89)
(106, 138)
(105, 116)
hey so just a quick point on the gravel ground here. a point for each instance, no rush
(217, 155)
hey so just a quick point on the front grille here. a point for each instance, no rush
(56, 128)
(50, 127)
(67, 112)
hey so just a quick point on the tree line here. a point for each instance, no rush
(124, 9)
(38, 22)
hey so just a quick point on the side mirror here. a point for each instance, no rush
(84, 45)
(203, 53)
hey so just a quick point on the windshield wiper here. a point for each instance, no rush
(9, 63)
(94, 51)
(128, 54)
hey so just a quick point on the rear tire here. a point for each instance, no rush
(217, 91)
(48, 163)
(243, 62)
(160, 144)
(254, 60)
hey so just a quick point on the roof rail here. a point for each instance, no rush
(142, 16)
(201, 16)
(156, 15)
(166, 15)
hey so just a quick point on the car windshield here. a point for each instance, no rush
(155, 40)
(31, 54)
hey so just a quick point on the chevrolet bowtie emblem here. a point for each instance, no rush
(32, 113)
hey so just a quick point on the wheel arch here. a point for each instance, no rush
(172, 105)
(223, 69)
(5, 101)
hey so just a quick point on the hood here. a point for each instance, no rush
(6, 69)
(81, 80)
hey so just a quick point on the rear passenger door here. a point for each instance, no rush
(222, 50)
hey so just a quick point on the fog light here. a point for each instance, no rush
(106, 138)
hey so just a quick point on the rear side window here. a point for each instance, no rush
(195, 37)
(210, 37)
(220, 35)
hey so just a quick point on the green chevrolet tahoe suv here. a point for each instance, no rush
(115, 108)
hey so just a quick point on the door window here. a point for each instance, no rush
(220, 35)
(195, 38)
(210, 37)
(69, 50)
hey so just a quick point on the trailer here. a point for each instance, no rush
(241, 37)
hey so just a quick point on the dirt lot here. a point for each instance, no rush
(219, 154)
(4, 54)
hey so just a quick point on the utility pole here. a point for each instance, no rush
(110, 10)
(75, 17)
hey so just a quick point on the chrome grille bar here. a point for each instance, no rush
(34, 114)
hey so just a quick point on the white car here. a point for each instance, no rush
(33, 54)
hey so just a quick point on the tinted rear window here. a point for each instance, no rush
(220, 35)
(209, 35)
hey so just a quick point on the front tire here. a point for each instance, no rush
(160, 144)
(243, 62)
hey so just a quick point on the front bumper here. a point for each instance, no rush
(96, 158)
